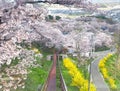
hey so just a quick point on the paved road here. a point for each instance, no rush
(96, 75)
(51, 85)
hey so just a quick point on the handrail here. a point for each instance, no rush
(44, 87)
(63, 84)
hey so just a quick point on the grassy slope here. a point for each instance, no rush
(37, 77)
(82, 68)
(68, 79)
(113, 71)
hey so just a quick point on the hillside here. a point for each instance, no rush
(30, 32)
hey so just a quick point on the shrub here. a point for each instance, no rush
(50, 17)
(57, 17)
(103, 48)
(77, 77)
(112, 83)
(36, 50)
(103, 69)
(101, 17)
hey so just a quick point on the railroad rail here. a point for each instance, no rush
(50, 84)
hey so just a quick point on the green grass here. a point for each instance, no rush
(15, 62)
(103, 48)
(112, 70)
(37, 76)
(58, 79)
(82, 68)
(67, 78)
(3, 67)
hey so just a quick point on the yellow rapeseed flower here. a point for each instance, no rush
(105, 72)
(112, 83)
(77, 77)
(36, 50)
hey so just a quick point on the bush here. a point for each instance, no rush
(103, 48)
(101, 17)
(14, 61)
(50, 17)
(104, 70)
(57, 17)
(77, 77)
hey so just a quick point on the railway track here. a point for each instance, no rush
(55, 81)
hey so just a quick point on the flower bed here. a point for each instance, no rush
(103, 65)
(77, 77)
